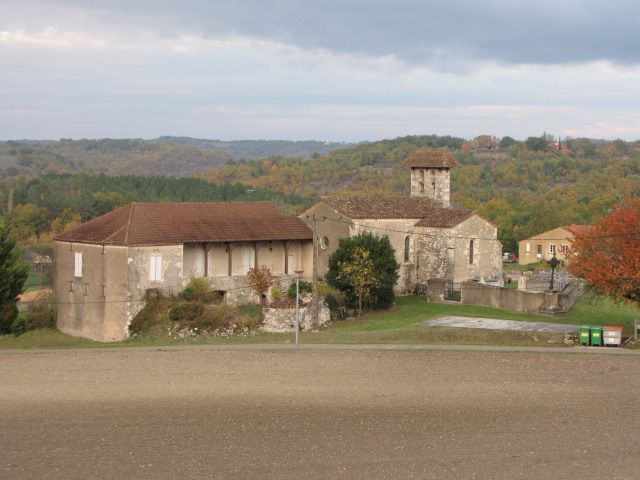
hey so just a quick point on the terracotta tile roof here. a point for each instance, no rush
(431, 157)
(578, 230)
(138, 224)
(430, 213)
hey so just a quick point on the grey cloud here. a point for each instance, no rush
(422, 32)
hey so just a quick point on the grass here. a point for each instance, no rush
(37, 281)
(398, 325)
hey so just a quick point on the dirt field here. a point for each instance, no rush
(205, 413)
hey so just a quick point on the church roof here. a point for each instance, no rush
(428, 212)
(431, 158)
(138, 224)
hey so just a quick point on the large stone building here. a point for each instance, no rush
(432, 239)
(543, 246)
(104, 267)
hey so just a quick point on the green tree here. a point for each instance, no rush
(13, 274)
(365, 269)
(537, 144)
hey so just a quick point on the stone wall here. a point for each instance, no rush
(279, 320)
(473, 293)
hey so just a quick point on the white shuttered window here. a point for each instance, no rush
(155, 269)
(77, 264)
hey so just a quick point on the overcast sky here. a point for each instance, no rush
(347, 70)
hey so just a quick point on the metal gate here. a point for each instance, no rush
(452, 291)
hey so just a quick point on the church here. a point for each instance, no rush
(432, 239)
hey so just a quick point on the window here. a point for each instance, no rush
(407, 245)
(565, 249)
(155, 270)
(552, 248)
(77, 264)
(527, 247)
(324, 242)
(539, 249)
(471, 251)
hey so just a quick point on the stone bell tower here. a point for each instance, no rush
(431, 173)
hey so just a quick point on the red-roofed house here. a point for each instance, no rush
(104, 267)
(544, 245)
(432, 240)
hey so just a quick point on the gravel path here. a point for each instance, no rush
(316, 414)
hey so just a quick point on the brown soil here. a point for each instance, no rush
(205, 413)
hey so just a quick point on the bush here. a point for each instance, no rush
(198, 289)
(331, 302)
(151, 313)
(41, 314)
(276, 293)
(304, 287)
(19, 325)
(188, 312)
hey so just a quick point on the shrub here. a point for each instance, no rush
(150, 314)
(19, 325)
(276, 293)
(304, 287)
(198, 289)
(42, 313)
(187, 312)
(331, 302)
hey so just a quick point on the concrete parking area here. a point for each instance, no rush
(495, 324)
(314, 414)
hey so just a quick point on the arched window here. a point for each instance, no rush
(471, 251)
(406, 248)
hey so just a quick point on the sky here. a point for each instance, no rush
(333, 70)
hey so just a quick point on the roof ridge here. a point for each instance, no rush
(126, 233)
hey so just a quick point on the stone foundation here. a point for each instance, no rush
(279, 320)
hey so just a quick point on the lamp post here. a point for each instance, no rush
(553, 263)
(297, 327)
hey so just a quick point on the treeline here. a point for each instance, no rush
(524, 187)
(113, 157)
(171, 156)
(40, 208)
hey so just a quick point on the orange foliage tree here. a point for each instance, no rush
(260, 279)
(608, 254)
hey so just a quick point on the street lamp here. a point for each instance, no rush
(298, 273)
(553, 263)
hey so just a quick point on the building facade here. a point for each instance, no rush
(105, 267)
(543, 246)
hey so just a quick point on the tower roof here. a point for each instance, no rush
(431, 158)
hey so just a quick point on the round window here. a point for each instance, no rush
(324, 242)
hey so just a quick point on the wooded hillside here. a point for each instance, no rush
(524, 187)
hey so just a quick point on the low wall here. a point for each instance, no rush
(516, 300)
(284, 319)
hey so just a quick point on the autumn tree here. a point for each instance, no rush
(365, 269)
(607, 255)
(13, 274)
(260, 279)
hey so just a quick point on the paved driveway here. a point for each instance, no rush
(495, 324)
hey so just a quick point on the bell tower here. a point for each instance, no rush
(431, 173)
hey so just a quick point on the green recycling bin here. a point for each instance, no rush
(584, 334)
(596, 336)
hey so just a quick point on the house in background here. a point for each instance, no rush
(544, 245)
(431, 239)
(104, 267)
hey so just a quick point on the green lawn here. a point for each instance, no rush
(398, 325)
(37, 281)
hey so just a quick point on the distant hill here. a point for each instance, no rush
(252, 149)
(172, 156)
(110, 156)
